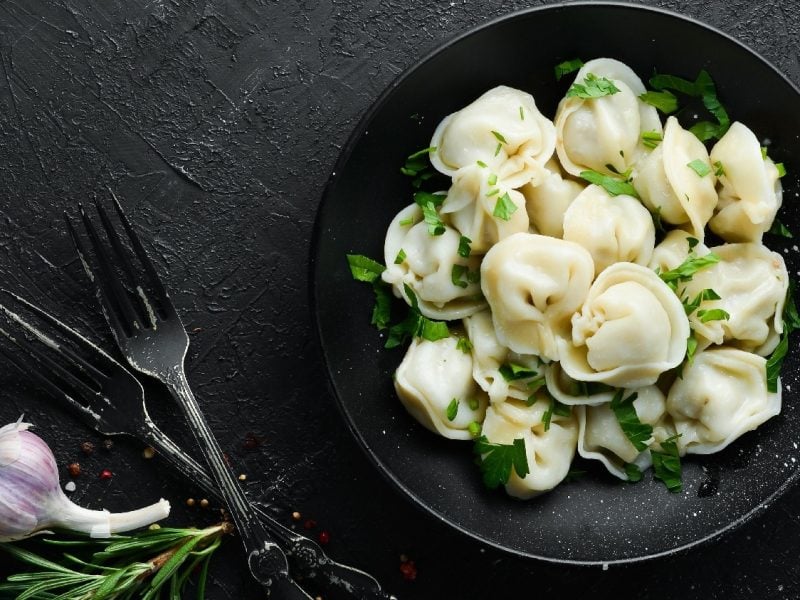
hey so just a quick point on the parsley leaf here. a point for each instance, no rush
(429, 202)
(367, 270)
(691, 347)
(474, 429)
(415, 325)
(651, 139)
(499, 137)
(612, 185)
(665, 101)
(663, 82)
(497, 460)
(780, 229)
(699, 167)
(686, 270)
(464, 248)
(452, 410)
(791, 322)
(592, 87)
(567, 67)
(401, 256)
(667, 464)
(555, 408)
(504, 208)
(416, 166)
(456, 275)
(781, 170)
(464, 345)
(633, 472)
(638, 433)
(692, 305)
(719, 170)
(702, 87)
(364, 268)
(514, 372)
(713, 314)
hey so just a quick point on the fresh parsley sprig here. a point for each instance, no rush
(688, 268)
(417, 165)
(667, 464)
(639, 434)
(567, 67)
(592, 87)
(616, 186)
(363, 268)
(497, 460)
(415, 325)
(429, 203)
(791, 323)
(555, 408)
(702, 87)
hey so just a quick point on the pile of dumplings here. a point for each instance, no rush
(569, 285)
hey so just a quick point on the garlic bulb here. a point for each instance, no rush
(31, 498)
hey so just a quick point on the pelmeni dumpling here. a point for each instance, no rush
(571, 392)
(751, 191)
(593, 133)
(631, 328)
(472, 204)
(674, 249)
(533, 285)
(752, 282)
(549, 453)
(430, 377)
(612, 228)
(669, 186)
(489, 356)
(601, 437)
(720, 395)
(426, 266)
(503, 129)
(547, 201)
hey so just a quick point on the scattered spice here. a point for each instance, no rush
(87, 448)
(108, 444)
(149, 453)
(190, 502)
(74, 469)
(408, 569)
(296, 516)
(203, 503)
(324, 537)
(106, 474)
(310, 524)
(242, 477)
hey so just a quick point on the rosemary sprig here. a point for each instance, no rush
(143, 565)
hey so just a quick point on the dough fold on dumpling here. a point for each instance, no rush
(751, 191)
(612, 228)
(751, 282)
(472, 207)
(503, 129)
(533, 285)
(549, 453)
(668, 185)
(592, 134)
(631, 329)
(547, 201)
(426, 266)
(720, 395)
(431, 376)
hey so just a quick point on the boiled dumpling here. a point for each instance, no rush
(597, 132)
(547, 201)
(431, 376)
(631, 329)
(669, 186)
(674, 249)
(426, 266)
(502, 129)
(601, 437)
(533, 285)
(549, 453)
(612, 228)
(571, 392)
(751, 191)
(752, 282)
(472, 207)
(720, 395)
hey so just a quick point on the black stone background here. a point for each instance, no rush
(218, 123)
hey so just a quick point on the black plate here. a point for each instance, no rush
(595, 519)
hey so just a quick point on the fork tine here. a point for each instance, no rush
(125, 262)
(141, 253)
(116, 299)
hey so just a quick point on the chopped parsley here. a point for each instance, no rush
(791, 322)
(452, 410)
(492, 179)
(521, 113)
(416, 166)
(482, 164)
(633, 472)
(429, 203)
(493, 192)
(415, 325)
(401, 256)
(613, 185)
(497, 460)
(592, 87)
(667, 464)
(514, 372)
(665, 101)
(780, 229)
(699, 167)
(555, 408)
(702, 87)
(499, 137)
(473, 404)
(692, 305)
(781, 170)
(474, 429)
(464, 248)
(638, 433)
(465, 346)
(713, 314)
(504, 208)
(365, 269)
(567, 67)
(406, 222)
(687, 269)
(651, 139)
(719, 170)
(691, 347)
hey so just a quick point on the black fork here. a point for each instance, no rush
(151, 336)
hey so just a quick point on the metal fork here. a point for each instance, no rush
(151, 336)
(110, 400)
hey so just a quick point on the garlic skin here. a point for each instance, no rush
(31, 498)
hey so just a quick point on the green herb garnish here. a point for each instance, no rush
(780, 229)
(497, 460)
(781, 170)
(464, 345)
(791, 322)
(687, 269)
(699, 167)
(474, 429)
(719, 170)
(567, 67)
(665, 101)
(415, 325)
(428, 203)
(633, 472)
(456, 275)
(613, 185)
(651, 139)
(714, 314)
(555, 408)
(452, 410)
(464, 248)
(367, 270)
(691, 347)
(667, 464)
(592, 87)
(638, 433)
(401, 256)
(504, 208)
(514, 372)
(702, 87)
(692, 305)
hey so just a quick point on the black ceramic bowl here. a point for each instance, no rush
(596, 519)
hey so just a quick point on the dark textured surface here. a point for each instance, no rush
(218, 124)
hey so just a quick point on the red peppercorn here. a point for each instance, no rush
(106, 474)
(74, 469)
(310, 524)
(409, 570)
(324, 537)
